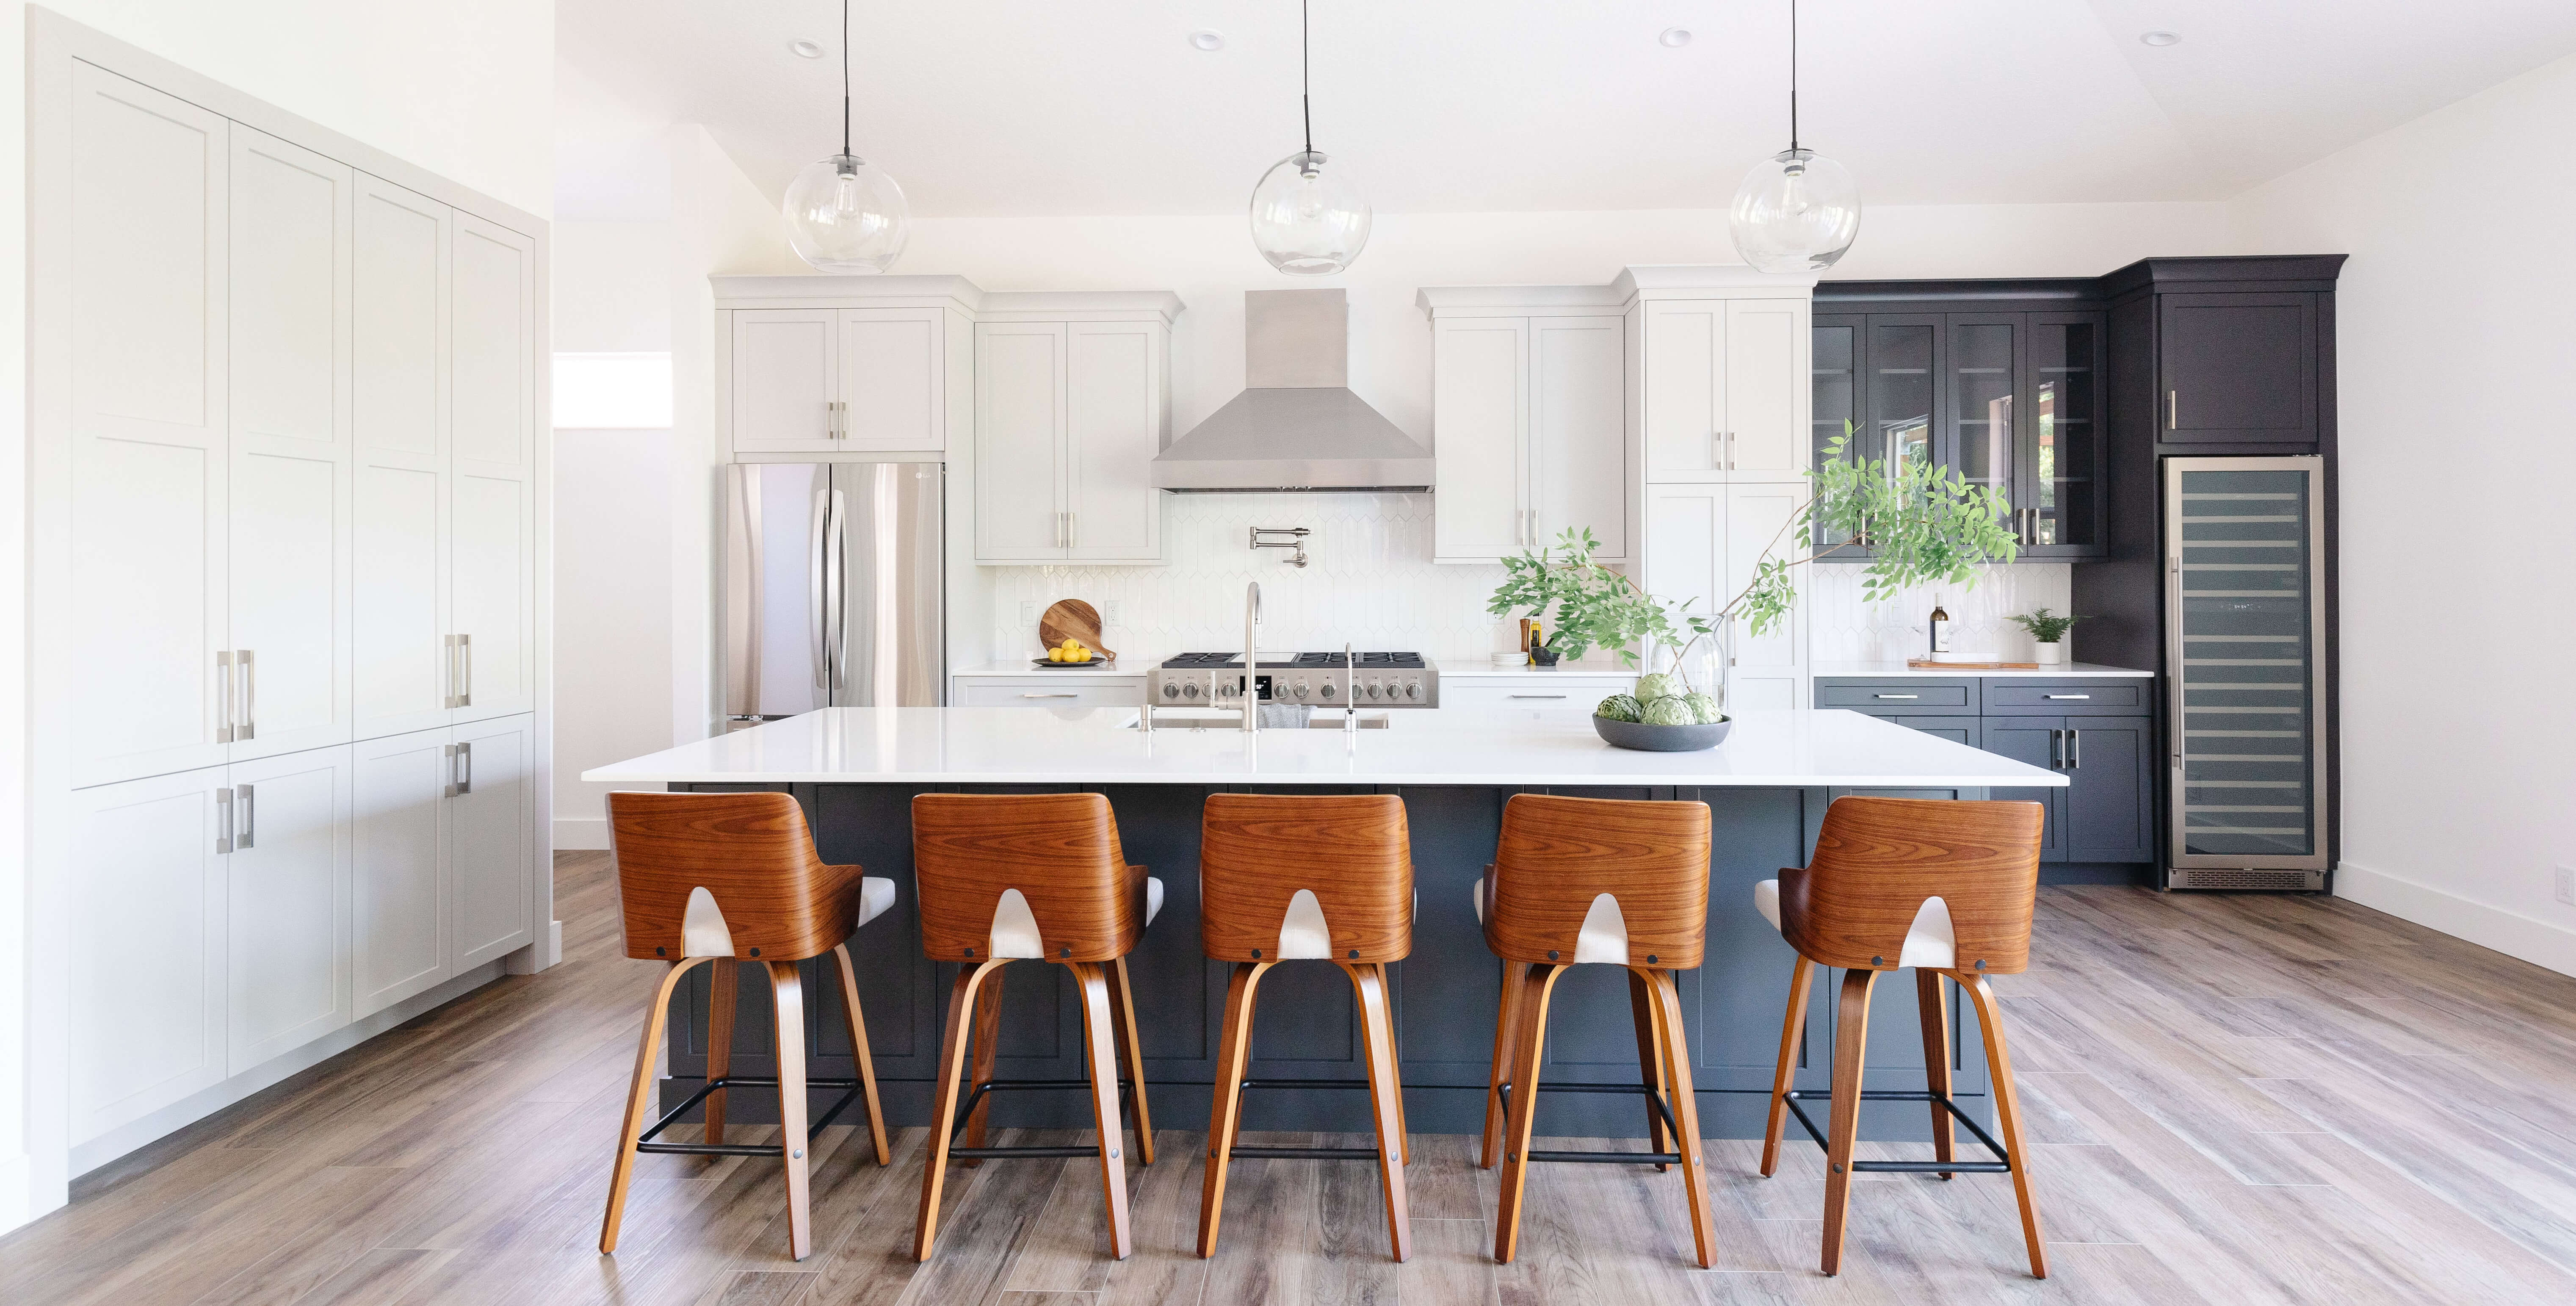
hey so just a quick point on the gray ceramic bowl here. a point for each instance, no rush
(1661, 739)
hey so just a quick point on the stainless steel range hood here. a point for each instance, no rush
(1296, 426)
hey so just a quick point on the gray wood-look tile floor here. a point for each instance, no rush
(2233, 1099)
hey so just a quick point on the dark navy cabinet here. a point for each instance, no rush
(2099, 731)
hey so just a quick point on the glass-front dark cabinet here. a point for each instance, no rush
(2009, 400)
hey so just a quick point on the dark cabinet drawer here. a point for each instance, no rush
(2019, 697)
(1910, 696)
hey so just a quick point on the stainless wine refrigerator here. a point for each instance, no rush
(831, 588)
(2245, 635)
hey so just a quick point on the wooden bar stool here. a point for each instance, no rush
(1945, 888)
(1577, 881)
(1012, 877)
(719, 877)
(1296, 878)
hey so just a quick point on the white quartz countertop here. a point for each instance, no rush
(1874, 669)
(1458, 746)
(1093, 671)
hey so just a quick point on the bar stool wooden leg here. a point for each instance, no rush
(1675, 1060)
(1935, 1016)
(1529, 1046)
(1386, 1101)
(1506, 1020)
(1225, 1114)
(1990, 1018)
(1648, 1014)
(638, 1095)
(1793, 1028)
(1395, 1067)
(1851, 1037)
(1100, 1053)
(943, 1106)
(988, 1037)
(1131, 1055)
(722, 995)
(787, 992)
(860, 1052)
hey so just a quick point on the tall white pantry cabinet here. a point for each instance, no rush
(289, 487)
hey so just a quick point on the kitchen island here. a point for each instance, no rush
(855, 771)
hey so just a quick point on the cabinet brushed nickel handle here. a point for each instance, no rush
(2056, 750)
(224, 700)
(1050, 695)
(2075, 750)
(242, 795)
(224, 819)
(2070, 696)
(249, 728)
(465, 765)
(2173, 410)
(465, 657)
(1896, 696)
(1717, 449)
(1538, 695)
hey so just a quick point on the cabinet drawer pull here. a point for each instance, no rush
(2056, 750)
(1538, 695)
(2075, 750)
(1896, 696)
(2173, 410)
(224, 696)
(2070, 696)
(224, 819)
(1050, 695)
(244, 803)
(249, 727)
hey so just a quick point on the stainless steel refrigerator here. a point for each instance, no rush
(831, 588)
(2245, 647)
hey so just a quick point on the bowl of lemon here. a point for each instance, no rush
(1662, 716)
(1070, 653)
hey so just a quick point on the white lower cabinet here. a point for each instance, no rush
(287, 901)
(1583, 690)
(1050, 689)
(443, 847)
(149, 918)
(489, 841)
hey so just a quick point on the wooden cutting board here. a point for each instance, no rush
(1927, 664)
(1075, 620)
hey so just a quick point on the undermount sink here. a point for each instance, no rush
(1201, 718)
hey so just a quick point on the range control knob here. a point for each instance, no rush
(1301, 689)
(1191, 690)
(1372, 689)
(1413, 690)
(1330, 690)
(1171, 690)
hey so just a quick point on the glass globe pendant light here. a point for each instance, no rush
(1308, 216)
(1797, 211)
(845, 214)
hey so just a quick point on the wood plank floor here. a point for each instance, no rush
(2234, 1099)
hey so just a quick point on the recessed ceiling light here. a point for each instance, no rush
(2159, 39)
(806, 49)
(1206, 41)
(1674, 38)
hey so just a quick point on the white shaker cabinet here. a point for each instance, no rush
(1724, 388)
(1528, 418)
(148, 607)
(287, 904)
(147, 1017)
(490, 841)
(398, 922)
(826, 380)
(492, 474)
(399, 382)
(291, 446)
(786, 383)
(1703, 543)
(1068, 418)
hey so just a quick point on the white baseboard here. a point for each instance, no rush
(581, 834)
(98, 1151)
(2509, 932)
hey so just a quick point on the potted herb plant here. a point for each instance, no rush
(1922, 523)
(2049, 629)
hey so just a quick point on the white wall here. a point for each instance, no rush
(2459, 520)
(463, 89)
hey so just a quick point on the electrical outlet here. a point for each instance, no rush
(2567, 885)
(1028, 612)
(1109, 613)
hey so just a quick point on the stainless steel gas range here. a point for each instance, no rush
(1313, 679)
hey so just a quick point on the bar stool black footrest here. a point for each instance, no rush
(1305, 1153)
(644, 1141)
(1662, 1108)
(967, 1108)
(2002, 1164)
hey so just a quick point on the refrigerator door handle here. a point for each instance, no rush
(816, 591)
(837, 596)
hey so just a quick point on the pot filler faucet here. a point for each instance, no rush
(1251, 658)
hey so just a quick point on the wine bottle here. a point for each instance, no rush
(1940, 629)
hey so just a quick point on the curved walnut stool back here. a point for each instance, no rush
(1285, 877)
(1574, 882)
(1030, 877)
(716, 878)
(1945, 888)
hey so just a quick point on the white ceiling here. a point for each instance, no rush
(989, 107)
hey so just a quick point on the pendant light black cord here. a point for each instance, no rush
(845, 79)
(1793, 73)
(1306, 74)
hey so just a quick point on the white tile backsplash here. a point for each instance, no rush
(1370, 580)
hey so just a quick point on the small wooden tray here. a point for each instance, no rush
(1927, 664)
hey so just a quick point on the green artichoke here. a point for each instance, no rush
(1620, 707)
(1704, 706)
(1671, 710)
(1655, 685)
